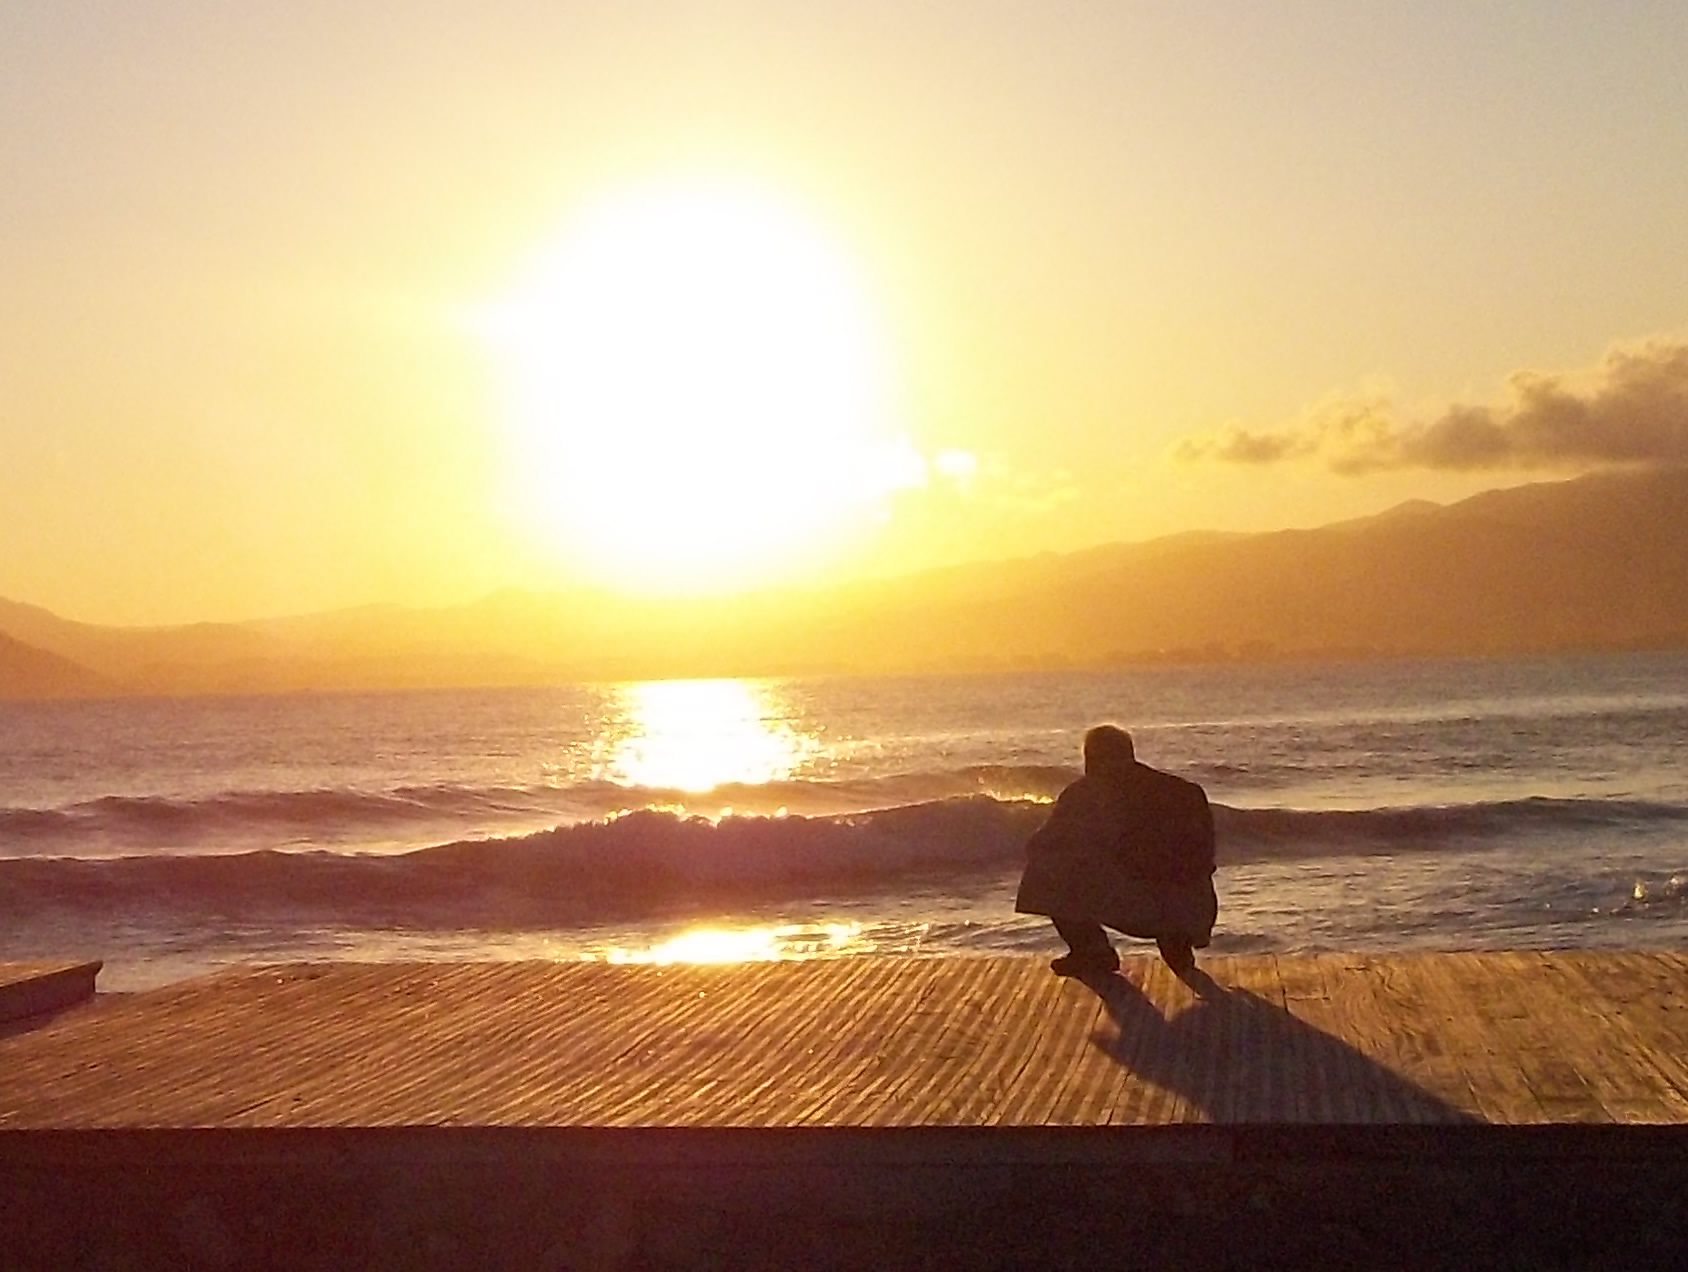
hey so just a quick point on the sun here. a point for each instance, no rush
(699, 392)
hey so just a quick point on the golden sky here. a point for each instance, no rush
(305, 305)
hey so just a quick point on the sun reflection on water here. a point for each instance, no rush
(697, 735)
(744, 945)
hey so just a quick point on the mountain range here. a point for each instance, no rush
(1596, 562)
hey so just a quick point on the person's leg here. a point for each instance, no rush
(1083, 937)
(1178, 952)
(1091, 949)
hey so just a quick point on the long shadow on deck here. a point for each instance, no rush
(1241, 1059)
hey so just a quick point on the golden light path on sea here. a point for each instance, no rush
(697, 735)
(744, 945)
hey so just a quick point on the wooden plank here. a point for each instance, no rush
(1305, 982)
(1610, 1055)
(386, 1072)
(658, 1084)
(702, 1062)
(1677, 962)
(397, 1070)
(475, 1053)
(742, 1085)
(1060, 1046)
(1537, 1038)
(1146, 1050)
(1095, 1077)
(472, 1035)
(1518, 1033)
(552, 1067)
(1466, 1077)
(566, 1074)
(1161, 1040)
(1395, 1047)
(189, 1045)
(1421, 1029)
(1028, 992)
(1256, 1063)
(626, 1052)
(854, 1057)
(1484, 997)
(936, 1056)
(1640, 1033)
(1079, 1088)
(1349, 1048)
(800, 1025)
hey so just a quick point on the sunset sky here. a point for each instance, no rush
(306, 305)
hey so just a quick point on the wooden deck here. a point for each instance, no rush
(1508, 1039)
(1322, 1065)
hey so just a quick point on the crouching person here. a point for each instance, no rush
(1129, 847)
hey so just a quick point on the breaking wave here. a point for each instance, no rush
(151, 821)
(649, 862)
(115, 824)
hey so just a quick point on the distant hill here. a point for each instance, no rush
(1591, 563)
(28, 672)
(144, 659)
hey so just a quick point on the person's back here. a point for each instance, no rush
(1128, 846)
(1166, 827)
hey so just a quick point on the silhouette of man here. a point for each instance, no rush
(1128, 846)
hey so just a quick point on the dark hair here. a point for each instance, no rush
(1107, 746)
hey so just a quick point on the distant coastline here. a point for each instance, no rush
(1589, 565)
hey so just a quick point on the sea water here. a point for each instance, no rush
(1449, 804)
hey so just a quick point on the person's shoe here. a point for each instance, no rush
(1085, 964)
(1179, 954)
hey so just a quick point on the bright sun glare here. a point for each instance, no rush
(696, 735)
(700, 393)
(745, 945)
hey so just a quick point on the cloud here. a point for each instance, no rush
(1632, 410)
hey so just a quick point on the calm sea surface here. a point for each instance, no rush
(1446, 804)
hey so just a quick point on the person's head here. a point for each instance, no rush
(1108, 749)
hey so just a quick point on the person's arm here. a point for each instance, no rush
(1204, 857)
(1065, 816)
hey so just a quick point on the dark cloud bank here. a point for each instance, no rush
(1634, 410)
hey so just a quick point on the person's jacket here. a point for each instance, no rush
(1132, 848)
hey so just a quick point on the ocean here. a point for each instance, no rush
(1445, 804)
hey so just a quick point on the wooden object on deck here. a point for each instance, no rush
(31, 989)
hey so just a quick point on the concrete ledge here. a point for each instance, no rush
(847, 1198)
(875, 1149)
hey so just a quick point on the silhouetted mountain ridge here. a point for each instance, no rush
(28, 672)
(1591, 563)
